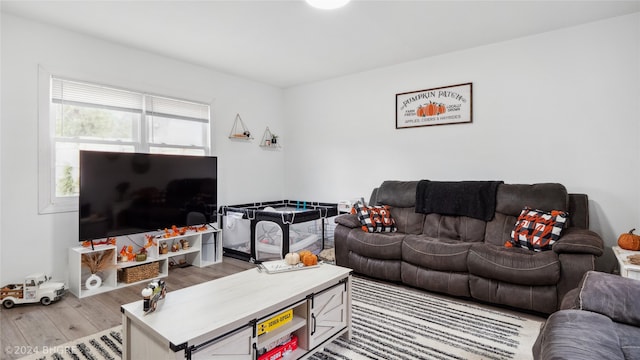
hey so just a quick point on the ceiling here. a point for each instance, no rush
(288, 43)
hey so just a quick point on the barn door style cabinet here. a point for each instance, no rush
(327, 314)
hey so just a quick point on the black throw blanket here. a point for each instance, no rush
(476, 199)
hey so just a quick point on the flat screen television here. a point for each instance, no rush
(128, 193)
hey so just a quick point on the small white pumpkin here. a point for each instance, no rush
(292, 258)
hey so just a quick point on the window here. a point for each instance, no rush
(84, 116)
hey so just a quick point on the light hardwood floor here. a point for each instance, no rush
(71, 318)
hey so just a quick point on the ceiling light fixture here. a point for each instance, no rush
(327, 4)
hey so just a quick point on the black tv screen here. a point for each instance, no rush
(127, 193)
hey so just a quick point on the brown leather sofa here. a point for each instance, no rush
(466, 257)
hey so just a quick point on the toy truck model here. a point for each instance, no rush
(154, 292)
(36, 288)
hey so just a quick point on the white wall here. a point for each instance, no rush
(31, 242)
(560, 107)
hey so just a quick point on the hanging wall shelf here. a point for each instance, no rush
(269, 140)
(239, 131)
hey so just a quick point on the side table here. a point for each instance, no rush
(626, 268)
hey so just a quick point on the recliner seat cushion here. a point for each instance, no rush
(386, 246)
(436, 254)
(514, 265)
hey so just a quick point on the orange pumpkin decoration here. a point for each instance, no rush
(310, 260)
(629, 241)
(442, 109)
(421, 111)
(303, 254)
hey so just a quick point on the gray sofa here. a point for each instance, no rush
(599, 320)
(466, 257)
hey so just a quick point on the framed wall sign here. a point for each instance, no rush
(438, 106)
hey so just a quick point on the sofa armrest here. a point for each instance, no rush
(349, 220)
(611, 295)
(581, 241)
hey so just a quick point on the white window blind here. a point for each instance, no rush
(86, 116)
(88, 95)
(177, 109)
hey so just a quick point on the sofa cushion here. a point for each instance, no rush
(407, 220)
(537, 229)
(437, 254)
(386, 246)
(396, 193)
(514, 265)
(628, 336)
(575, 334)
(512, 198)
(498, 230)
(614, 296)
(459, 228)
(375, 218)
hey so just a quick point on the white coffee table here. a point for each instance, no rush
(627, 269)
(218, 319)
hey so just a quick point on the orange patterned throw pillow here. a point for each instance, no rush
(375, 218)
(537, 230)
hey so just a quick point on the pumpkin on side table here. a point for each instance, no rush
(629, 241)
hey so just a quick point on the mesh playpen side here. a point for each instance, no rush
(269, 230)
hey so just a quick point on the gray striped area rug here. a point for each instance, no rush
(388, 322)
(105, 345)
(396, 322)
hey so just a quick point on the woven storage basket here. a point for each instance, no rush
(139, 272)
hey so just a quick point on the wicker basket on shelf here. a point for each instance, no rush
(139, 272)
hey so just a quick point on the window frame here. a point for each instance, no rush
(48, 202)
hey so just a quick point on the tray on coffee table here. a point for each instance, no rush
(278, 266)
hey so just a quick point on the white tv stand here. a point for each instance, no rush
(205, 248)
